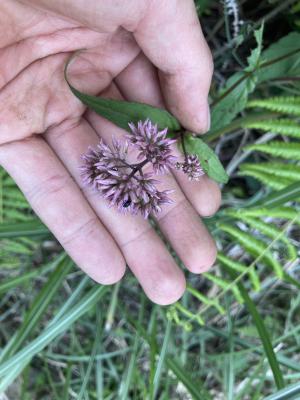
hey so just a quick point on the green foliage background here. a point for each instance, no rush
(235, 334)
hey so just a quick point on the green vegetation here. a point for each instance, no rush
(236, 332)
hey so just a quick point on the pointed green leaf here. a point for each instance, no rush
(121, 113)
(208, 159)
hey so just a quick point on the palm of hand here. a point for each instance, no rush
(44, 129)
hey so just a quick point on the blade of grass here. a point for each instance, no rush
(280, 197)
(54, 330)
(30, 228)
(13, 282)
(194, 387)
(262, 331)
(39, 306)
(289, 393)
(161, 359)
(71, 300)
(229, 360)
(125, 384)
(281, 359)
(93, 355)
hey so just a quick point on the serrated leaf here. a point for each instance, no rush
(239, 267)
(254, 58)
(257, 248)
(208, 159)
(224, 284)
(289, 151)
(272, 174)
(273, 182)
(268, 229)
(271, 170)
(285, 66)
(283, 57)
(285, 127)
(282, 104)
(280, 212)
(121, 113)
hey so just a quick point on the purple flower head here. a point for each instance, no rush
(124, 186)
(191, 167)
(152, 145)
(89, 171)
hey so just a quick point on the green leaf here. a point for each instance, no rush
(268, 229)
(285, 127)
(276, 169)
(280, 59)
(257, 248)
(291, 392)
(39, 306)
(122, 113)
(289, 151)
(262, 331)
(208, 159)
(239, 267)
(161, 358)
(240, 86)
(284, 66)
(254, 58)
(275, 199)
(270, 201)
(53, 330)
(282, 104)
(32, 227)
(194, 386)
(276, 183)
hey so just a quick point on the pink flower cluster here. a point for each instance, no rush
(126, 186)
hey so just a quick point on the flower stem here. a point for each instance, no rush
(137, 167)
(183, 145)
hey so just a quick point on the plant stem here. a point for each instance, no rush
(137, 167)
(249, 73)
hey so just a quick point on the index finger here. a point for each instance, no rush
(171, 37)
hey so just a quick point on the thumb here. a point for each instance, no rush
(170, 35)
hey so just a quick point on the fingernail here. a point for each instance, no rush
(202, 120)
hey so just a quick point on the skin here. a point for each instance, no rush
(149, 51)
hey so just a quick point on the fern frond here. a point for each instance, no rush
(281, 104)
(287, 127)
(242, 268)
(275, 169)
(288, 213)
(269, 180)
(289, 151)
(206, 300)
(268, 229)
(256, 247)
(224, 284)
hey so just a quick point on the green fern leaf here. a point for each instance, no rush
(224, 284)
(285, 127)
(269, 180)
(268, 229)
(257, 248)
(289, 151)
(238, 267)
(206, 300)
(287, 213)
(290, 172)
(282, 104)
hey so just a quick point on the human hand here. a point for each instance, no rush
(150, 51)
